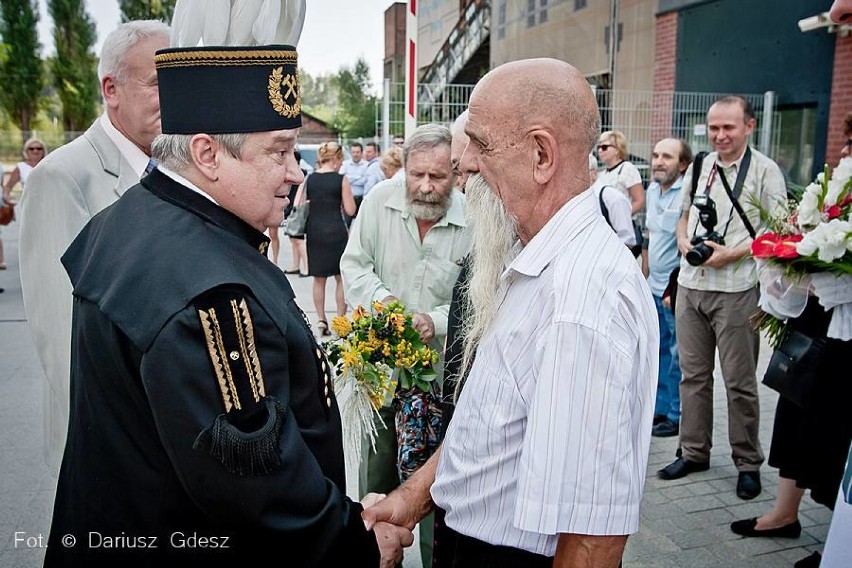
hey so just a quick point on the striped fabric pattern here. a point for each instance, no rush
(552, 430)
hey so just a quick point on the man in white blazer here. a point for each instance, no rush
(70, 186)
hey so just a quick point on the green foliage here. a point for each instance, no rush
(147, 10)
(356, 113)
(74, 67)
(20, 66)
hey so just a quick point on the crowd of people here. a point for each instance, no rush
(578, 314)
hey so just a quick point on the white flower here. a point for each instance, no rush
(820, 178)
(835, 186)
(809, 213)
(843, 171)
(828, 240)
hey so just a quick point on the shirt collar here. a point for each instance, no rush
(735, 164)
(455, 215)
(185, 182)
(170, 190)
(135, 157)
(552, 239)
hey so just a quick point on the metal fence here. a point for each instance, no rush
(643, 116)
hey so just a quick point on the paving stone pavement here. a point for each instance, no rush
(684, 522)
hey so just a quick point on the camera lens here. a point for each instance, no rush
(699, 254)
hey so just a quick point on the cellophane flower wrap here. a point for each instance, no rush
(807, 250)
(379, 358)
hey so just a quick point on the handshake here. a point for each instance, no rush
(391, 518)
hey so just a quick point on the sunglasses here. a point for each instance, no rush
(602, 147)
(35, 148)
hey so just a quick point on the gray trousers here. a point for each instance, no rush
(707, 320)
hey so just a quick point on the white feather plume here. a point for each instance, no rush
(216, 22)
(290, 22)
(243, 16)
(237, 22)
(188, 32)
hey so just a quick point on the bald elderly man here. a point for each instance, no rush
(544, 461)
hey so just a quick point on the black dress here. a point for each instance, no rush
(810, 446)
(325, 230)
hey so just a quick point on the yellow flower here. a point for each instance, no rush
(397, 321)
(341, 326)
(378, 307)
(359, 313)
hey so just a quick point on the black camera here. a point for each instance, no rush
(700, 252)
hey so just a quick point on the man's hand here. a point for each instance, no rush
(389, 299)
(667, 302)
(721, 256)
(371, 499)
(409, 502)
(423, 324)
(392, 539)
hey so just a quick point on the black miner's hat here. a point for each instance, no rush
(223, 90)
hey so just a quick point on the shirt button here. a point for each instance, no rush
(234, 355)
(328, 401)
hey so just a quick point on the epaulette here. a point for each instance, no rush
(245, 437)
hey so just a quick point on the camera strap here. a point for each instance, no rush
(738, 189)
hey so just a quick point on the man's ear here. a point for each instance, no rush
(204, 151)
(109, 88)
(545, 148)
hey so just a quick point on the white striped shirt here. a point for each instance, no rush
(552, 431)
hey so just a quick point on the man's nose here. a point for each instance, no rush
(467, 162)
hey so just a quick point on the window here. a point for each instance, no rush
(501, 19)
(530, 13)
(579, 4)
(542, 12)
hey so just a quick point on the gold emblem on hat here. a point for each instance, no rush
(290, 83)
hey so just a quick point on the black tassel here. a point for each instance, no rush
(246, 454)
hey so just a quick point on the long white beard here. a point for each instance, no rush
(494, 233)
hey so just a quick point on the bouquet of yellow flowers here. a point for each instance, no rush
(379, 357)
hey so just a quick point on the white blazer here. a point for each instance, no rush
(63, 192)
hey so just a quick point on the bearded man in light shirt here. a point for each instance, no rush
(544, 461)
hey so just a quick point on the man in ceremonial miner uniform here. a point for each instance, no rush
(203, 428)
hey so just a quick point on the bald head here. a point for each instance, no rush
(531, 125)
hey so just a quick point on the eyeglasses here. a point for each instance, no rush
(602, 147)
(35, 148)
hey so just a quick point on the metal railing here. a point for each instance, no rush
(644, 117)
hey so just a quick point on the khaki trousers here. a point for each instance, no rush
(707, 320)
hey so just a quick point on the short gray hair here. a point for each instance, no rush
(121, 40)
(172, 150)
(427, 136)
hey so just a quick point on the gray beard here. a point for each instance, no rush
(493, 233)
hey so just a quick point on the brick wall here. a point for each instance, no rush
(665, 62)
(841, 97)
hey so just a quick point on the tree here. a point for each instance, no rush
(21, 67)
(356, 113)
(147, 10)
(74, 68)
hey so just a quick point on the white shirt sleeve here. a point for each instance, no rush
(629, 175)
(618, 208)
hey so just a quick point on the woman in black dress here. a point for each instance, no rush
(326, 233)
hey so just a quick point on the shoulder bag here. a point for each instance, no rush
(792, 370)
(7, 213)
(294, 224)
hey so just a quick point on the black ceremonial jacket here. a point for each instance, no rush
(203, 428)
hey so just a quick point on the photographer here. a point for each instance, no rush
(718, 291)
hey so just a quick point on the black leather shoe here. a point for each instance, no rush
(811, 561)
(681, 468)
(658, 418)
(748, 485)
(665, 429)
(746, 527)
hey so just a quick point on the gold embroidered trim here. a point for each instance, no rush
(243, 57)
(276, 80)
(241, 337)
(252, 349)
(213, 335)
